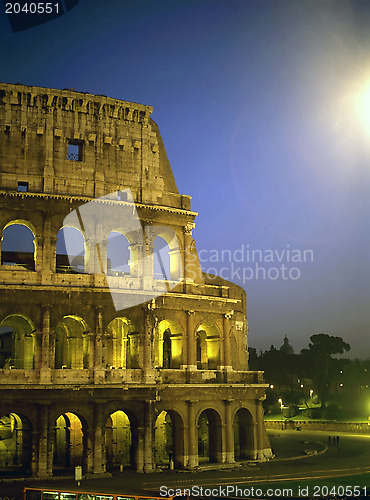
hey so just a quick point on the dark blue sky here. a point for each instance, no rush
(260, 106)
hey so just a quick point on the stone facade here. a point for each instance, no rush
(80, 382)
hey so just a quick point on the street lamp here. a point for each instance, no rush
(281, 405)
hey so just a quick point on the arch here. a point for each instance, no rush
(208, 346)
(15, 444)
(209, 436)
(71, 343)
(121, 440)
(167, 261)
(122, 344)
(169, 343)
(17, 342)
(118, 254)
(169, 439)
(18, 246)
(70, 442)
(161, 259)
(70, 250)
(244, 447)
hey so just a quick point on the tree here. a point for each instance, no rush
(319, 357)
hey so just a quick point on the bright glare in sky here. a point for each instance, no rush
(363, 105)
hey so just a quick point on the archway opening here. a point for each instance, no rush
(243, 435)
(18, 246)
(15, 445)
(208, 347)
(69, 446)
(122, 344)
(169, 342)
(118, 254)
(120, 441)
(71, 343)
(70, 251)
(161, 259)
(17, 342)
(168, 440)
(209, 436)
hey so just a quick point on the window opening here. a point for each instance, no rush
(23, 187)
(74, 152)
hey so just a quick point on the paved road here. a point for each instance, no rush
(351, 456)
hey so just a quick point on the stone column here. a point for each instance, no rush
(47, 246)
(176, 265)
(259, 429)
(148, 436)
(44, 468)
(147, 340)
(99, 372)
(140, 449)
(190, 264)
(47, 353)
(147, 259)
(192, 436)
(35, 436)
(229, 433)
(137, 252)
(226, 343)
(37, 352)
(91, 350)
(39, 251)
(191, 341)
(98, 466)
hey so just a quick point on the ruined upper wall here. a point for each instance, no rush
(118, 146)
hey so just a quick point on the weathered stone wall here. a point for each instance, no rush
(120, 146)
(68, 319)
(311, 425)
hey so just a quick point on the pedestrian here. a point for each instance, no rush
(329, 439)
(337, 439)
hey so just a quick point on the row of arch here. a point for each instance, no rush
(121, 440)
(122, 343)
(19, 247)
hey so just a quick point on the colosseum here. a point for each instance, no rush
(116, 351)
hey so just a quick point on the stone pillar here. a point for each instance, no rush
(192, 436)
(190, 264)
(47, 248)
(98, 465)
(140, 449)
(44, 468)
(259, 430)
(148, 436)
(47, 348)
(191, 341)
(229, 433)
(99, 372)
(147, 341)
(137, 252)
(38, 351)
(226, 342)
(38, 253)
(176, 265)
(91, 350)
(35, 436)
(147, 258)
